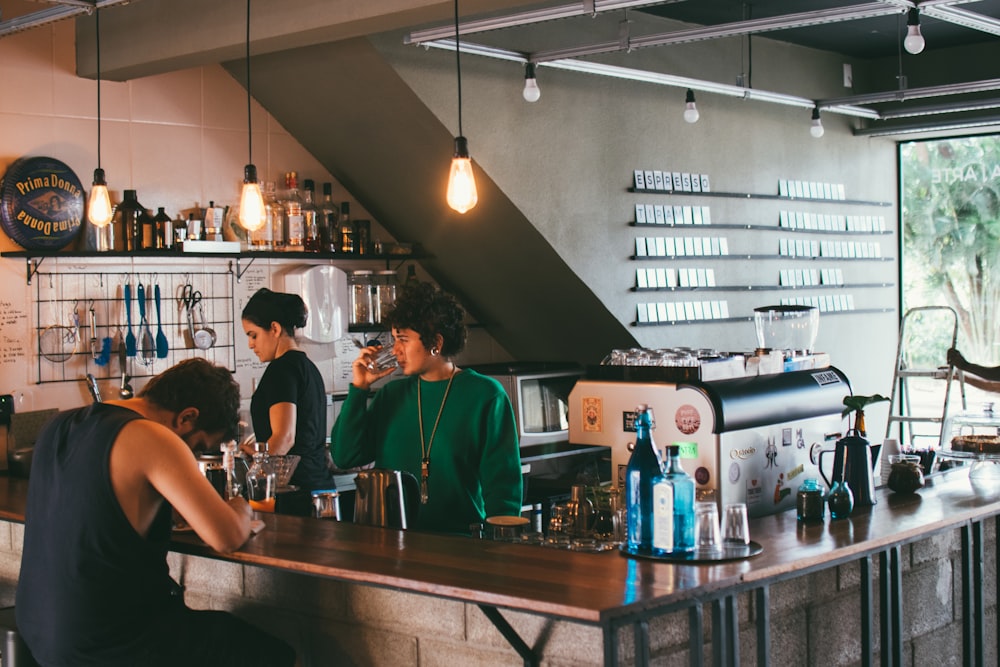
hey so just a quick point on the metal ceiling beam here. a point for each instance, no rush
(937, 109)
(733, 29)
(905, 94)
(66, 10)
(964, 18)
(588, 8)
(925, 127)
(644, 76)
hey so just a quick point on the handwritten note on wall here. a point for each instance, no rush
(13, 323)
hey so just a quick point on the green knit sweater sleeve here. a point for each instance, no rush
(351, 443)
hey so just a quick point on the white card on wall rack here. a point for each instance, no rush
(640, 214)
(695, 183)
(658, 180)
(668, 215)
(686, 181)
(658, 215)
(639, 179)
(676, 176)
(706, 186)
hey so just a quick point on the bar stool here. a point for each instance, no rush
(13, 651)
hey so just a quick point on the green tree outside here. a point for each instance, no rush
(951, 241)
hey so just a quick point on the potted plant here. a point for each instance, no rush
(857, 405)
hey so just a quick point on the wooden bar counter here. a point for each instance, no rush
(609, 591)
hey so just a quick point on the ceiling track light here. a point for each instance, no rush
(99, 209)
(691, 114)
(816, 126)
(531, 91)
(462, 195)
(253, 215)
(914, 41)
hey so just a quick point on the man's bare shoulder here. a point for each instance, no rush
(152, 440)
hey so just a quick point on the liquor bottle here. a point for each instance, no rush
(260, 239)
(279, 235)
(673, 507)
(310, 217)
(126, 221)
(643, 467)
(329, 220)
(346, 229)
(164, 230)
(293, 213)
(147, 230)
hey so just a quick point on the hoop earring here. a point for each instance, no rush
(434, 352)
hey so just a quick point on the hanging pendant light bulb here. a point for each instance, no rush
(462, 195)
(99, 209)
(914, 41)
(816, 127)
(691, 114)
(252, 212)
(531, 91)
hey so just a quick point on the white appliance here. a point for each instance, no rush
(324, 291)
(748, 439)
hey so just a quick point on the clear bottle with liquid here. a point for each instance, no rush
(643, 467)
(310, 217)
(260, 239)
(329, 215)
(261, 482)
(673, 507)
(346, 229)
(293, 213)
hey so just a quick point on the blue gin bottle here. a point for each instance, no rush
(682, 494)
(644, 466)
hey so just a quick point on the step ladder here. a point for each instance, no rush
(901, 410)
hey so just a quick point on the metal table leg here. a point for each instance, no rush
(764, 626)
(866, 611)
(510, 634)
(696, 629)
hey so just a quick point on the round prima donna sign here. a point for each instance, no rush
(41, 203)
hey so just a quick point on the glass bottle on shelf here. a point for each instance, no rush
(164, 230)
(359, 287)
(346, 229)
(673, 534)
(329, 220)
(128, 235)
(260, 239)
(293, 213)
(581, 512)
(310, 217)
(644, 466)
(384, 296)
(260, 481)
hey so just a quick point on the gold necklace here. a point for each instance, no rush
(425, 451)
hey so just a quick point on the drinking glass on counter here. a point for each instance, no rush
(735, 525)
(707, 538)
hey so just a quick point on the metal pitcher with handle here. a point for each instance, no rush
(387, 498)
(854, 461)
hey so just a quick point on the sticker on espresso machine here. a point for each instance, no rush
(687, 419)
(593, 420)
(754, 492)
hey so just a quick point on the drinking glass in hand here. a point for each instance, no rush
(383, 359)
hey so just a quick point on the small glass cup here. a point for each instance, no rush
(707, 537)
(326, 504)
(506, 528)
(735, 525)
(383, 360)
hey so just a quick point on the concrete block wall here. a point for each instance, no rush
(815, 619)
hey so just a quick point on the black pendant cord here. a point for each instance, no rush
(249, 124)
(458, 69)
(97, 21)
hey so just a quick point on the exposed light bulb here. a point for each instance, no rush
(816, 127)
(914, 41)
(531, 91)
(462, 195)
(252, 213)
(99, 204)
(691, 114)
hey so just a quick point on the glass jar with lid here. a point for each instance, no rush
(384, 294)
(359, 288)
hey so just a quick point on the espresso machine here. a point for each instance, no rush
(750, 426)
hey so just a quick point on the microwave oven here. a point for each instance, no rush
(539, 393)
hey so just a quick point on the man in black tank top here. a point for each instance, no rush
(94, 587)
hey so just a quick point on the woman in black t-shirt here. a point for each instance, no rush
(288, 409)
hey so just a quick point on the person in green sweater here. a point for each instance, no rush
(452, 428)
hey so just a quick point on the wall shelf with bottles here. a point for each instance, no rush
(34, 258)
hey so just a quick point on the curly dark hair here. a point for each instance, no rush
(288, 310)
(197, 383)
(429, 311)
